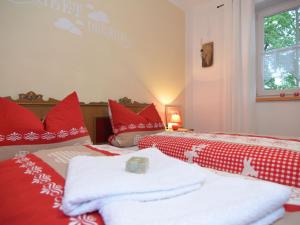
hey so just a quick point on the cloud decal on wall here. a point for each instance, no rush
(66, 24)
(99, 16)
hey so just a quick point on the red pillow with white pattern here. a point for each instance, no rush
(16, 119)
(65, 120)
(66, 115)
(129, 127)
(22, 130)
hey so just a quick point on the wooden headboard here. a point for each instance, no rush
(35, 103)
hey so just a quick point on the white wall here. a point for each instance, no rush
(278, 118)
(203, 95)
(204, 85)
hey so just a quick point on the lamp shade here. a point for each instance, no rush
(175, 118)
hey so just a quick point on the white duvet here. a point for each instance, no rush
(219, 201)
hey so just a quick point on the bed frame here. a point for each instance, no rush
(91, 111)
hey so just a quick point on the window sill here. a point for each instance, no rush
(277, 99)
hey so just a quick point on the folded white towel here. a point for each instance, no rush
(220, 201)
(93, 182)
(271, 218)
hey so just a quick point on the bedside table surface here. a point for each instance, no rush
(181, 129)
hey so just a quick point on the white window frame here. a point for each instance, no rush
(260, 15)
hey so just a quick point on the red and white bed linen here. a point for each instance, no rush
(270, 159)
(41, 190)
(22, 129)
(31, 193)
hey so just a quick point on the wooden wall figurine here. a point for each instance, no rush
(207, 54)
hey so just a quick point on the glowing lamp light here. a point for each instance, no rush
(175, 118)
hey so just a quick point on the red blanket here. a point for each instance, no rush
(31, 194)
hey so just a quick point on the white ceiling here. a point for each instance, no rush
(186, 4)
(262, 4)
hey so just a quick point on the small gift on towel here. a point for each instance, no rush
(137, 165)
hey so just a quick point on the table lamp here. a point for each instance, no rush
(175, 118)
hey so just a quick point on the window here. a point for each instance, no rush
(278, 50)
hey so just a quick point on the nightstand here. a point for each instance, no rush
(181, 130)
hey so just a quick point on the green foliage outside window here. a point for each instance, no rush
(288, 82)
(280, 32)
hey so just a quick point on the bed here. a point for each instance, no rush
(32, 187)
(32, 184)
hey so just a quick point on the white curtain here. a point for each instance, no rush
(239, 66)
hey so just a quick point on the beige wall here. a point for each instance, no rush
(102, 49)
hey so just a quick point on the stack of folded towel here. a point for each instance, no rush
(172, 192)
(95, 181)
